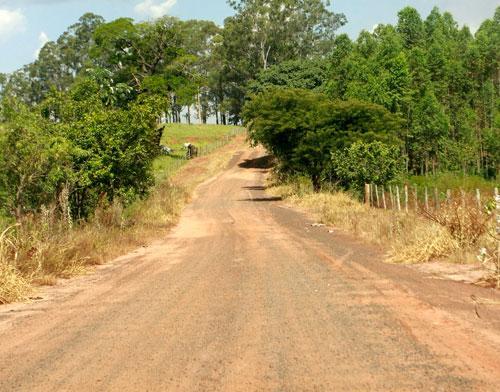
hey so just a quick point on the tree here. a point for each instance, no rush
(134, 52)
(35, 161)
(302, 128)
(303, 74)
(411, 27)
(430, 130)
(114, 147)
(439, 78)
(366, 163)
(267, 32)
(281, 30)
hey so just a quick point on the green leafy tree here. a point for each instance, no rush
(267, 32)
(35, 162)
(303, 74)
(439, 78)
(366, 163)
(302, 128)
(411, 27)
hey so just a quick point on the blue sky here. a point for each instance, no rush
(26, 24)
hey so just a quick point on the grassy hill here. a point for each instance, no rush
(205, 137)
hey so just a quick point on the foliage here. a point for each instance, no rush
(74, 141)
(302, 129)
(303, 74)
(366, 163)
(264, 33)
(439, 78)
(35, 162)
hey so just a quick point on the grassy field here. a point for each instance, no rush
(205, 137)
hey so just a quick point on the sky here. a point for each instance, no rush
(26, 25)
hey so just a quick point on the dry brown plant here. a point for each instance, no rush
(463, 220)
(411, 238)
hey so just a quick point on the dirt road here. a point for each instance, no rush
(245, 295)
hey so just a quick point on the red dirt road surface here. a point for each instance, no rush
(245, 295)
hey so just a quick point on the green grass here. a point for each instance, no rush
(454, 181)
(205, 137)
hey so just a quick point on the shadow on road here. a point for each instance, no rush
(255, 188)
(263, 199)
(265, 162)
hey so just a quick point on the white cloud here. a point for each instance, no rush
(43, 38)
(467, 13)
(11, 22)
(154, 8)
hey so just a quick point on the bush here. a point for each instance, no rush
(34, 164)
(114, 152)
(74, 141)
(302, 129)
(367, 163)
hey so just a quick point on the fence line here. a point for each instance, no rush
(207, 149)
(402, 199)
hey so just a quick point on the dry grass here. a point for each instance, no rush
(44, 248)
(13, 286)
(410, 238)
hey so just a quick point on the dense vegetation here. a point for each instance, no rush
(438, 80)
(420, 97)
(305, 130)
(442, 80)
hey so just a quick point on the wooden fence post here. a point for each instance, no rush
(367, 194)
(448, 196)
(497, 200)
(383, 198)
(406, 199)
(398, 198)
(391, 196)
(378, 199)
(478, 198)
(426, 199)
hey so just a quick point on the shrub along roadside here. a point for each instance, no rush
(303, 130)
(44, 248)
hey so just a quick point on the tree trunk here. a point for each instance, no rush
(198, 102)
(316, 182)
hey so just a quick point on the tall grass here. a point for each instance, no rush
(12, 284)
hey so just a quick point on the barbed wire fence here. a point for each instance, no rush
(204, 150)
(407, 198)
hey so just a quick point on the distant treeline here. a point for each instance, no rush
(441, 80)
